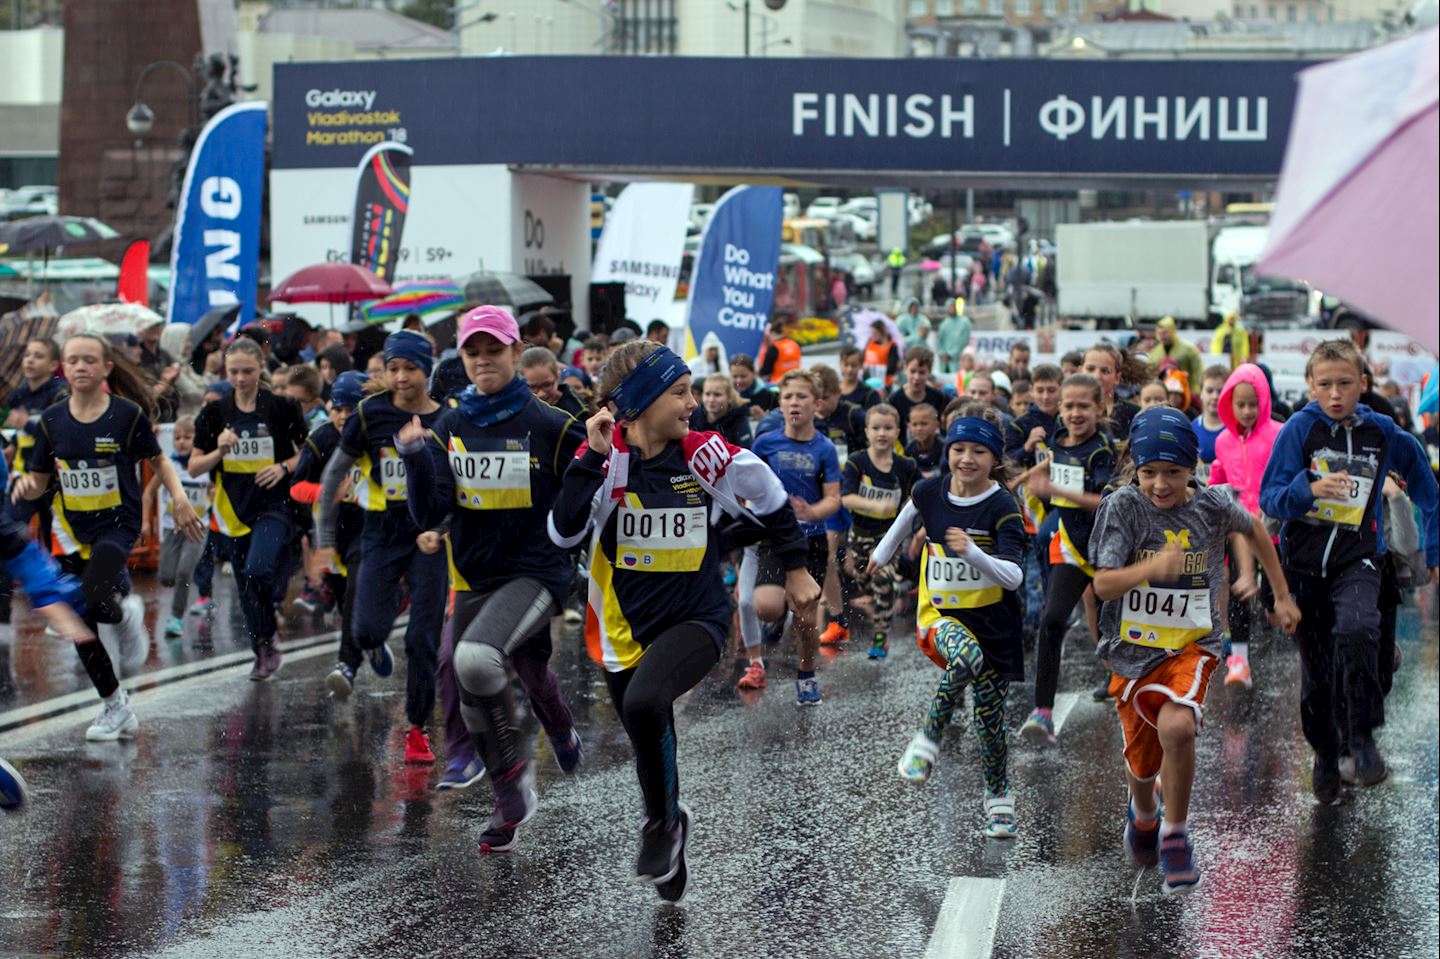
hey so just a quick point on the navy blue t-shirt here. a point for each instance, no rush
(803, 468)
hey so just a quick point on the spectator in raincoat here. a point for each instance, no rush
(1171, 347)
(952, 338)
(1231, 337)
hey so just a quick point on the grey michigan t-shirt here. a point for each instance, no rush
(1155, 620)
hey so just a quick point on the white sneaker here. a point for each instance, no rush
(116, 720)
(134, 638)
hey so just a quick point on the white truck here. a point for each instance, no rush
(1125, 272)
(1139, 270)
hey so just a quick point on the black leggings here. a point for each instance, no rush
(103, 583)
(1066, 587)
(645, 699)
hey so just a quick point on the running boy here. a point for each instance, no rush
(1158, 547)
(179, 554)
(925, 447)
(809, 468)
(1323, 482)
(1208, 424)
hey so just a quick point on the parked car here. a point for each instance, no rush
(863, 228)
(30, 201)
(859, 271)
(824, 206)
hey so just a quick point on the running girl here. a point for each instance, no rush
(1159, 545)
(389, 538)
(1111, 366)
(723, 411)
(492, 465)
(873, 484)
(1081, 459)
(969, 594)
(651, 493)
(95, 441)
(249, 442)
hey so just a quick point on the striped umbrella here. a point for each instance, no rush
(414, 296)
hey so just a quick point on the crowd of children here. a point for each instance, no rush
(1005, 508)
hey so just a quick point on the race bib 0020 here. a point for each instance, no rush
(952, 583)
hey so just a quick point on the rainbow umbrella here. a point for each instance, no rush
(414, 296)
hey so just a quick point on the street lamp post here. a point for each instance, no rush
(141, 119)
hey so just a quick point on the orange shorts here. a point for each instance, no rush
(1183, 678)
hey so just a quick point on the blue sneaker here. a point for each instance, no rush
(174, 626)
(569, 752)
(13, 792)
(1142, 843)
(461, 772)
(807, 692)
(879, 647)
(381, 661)
(727, 575)
(340, 682)
(1177, 862)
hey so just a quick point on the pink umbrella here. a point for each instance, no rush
(1357, 204)
(331, 283)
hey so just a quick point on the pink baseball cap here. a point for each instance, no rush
(489, 319)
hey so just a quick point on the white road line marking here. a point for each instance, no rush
(968, 919)
(1064, 702)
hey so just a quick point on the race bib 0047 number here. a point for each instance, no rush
(89, 486)
(1165, 618)
(491, 474)
(654, 536)
(952, 583)
(250, 454)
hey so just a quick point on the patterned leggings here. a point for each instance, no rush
(881, 586)
(968, 668)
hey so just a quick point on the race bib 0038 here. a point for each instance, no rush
(89, 485)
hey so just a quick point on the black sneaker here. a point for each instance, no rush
(672, 890)
(1370, 769)
(1101, 693)
(1325, 779)
(660, 848)
(499, 837)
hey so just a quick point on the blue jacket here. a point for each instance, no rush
(1367, 443)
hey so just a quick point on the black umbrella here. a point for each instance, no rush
(504, 289)
(44, 233)
(204, 328)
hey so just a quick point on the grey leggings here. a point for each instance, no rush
(508, 626)
(178, 558)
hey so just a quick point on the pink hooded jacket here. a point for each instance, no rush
(1240, 459)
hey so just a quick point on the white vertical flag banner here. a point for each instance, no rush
(642, 245)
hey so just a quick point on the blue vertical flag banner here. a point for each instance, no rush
(215, 251)
(732, 284)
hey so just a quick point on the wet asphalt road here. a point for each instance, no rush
(264, 820)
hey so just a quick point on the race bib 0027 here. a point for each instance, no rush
(491, 474)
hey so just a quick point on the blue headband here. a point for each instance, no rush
(348, 389)
(412, 347)
(644, 384)
(221, 388)
(1163, 434)
(972, 429)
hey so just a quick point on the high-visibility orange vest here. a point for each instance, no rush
(787, 358)
(877, 360)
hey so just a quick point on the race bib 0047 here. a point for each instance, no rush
(1165, 618)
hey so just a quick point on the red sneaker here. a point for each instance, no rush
(834, 635)
(754, 677)
(417, 747)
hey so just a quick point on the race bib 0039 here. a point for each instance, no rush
(250, 454)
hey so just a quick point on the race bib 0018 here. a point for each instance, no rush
(1165, 618)
(654, 536)
(952, 583)
(491, 474)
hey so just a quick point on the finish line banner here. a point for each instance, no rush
(1019, 117)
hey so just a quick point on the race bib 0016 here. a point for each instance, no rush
(1066, 478)
(491, 474)
(952, 583)
(1165, 618)
(654, 535)
(89, 486)
(1347, 509)
(250, 454)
